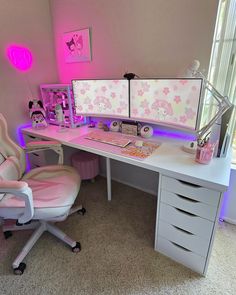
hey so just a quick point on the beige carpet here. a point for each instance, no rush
(117, 254)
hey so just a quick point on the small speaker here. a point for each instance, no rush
(115, 126)
(146, 131)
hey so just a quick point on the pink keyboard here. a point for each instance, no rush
(109, 137)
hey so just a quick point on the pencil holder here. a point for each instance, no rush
(205, 154)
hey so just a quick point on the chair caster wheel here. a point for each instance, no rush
(7, 234)
(82, 211)
(76, 248)
(20, 269)
(20, 224)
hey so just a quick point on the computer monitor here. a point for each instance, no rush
(172, 102)
(102, 98)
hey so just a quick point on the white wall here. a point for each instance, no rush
(152, 38)
(134, 176)
(28, 23)
(148, 37)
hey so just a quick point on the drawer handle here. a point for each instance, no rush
(183, 230)
(35, 154)
(185, 212)
(31, 136)
(181, 247)
(187, 199)
(189, 184)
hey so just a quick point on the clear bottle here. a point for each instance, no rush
(60, 118)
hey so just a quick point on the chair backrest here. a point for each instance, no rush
(12, 156)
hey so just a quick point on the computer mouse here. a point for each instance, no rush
(138, 143)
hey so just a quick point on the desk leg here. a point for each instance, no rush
(157, 210)
(108, 168)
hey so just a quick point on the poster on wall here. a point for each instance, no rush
(77, 46)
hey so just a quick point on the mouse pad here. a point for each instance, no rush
(142, 152)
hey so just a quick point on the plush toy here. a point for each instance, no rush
(37, 114)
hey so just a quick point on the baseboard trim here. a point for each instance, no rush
(229, 220)
(151, 192)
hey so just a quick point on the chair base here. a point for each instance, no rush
(40, 227)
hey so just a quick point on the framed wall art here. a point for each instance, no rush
(77, 47)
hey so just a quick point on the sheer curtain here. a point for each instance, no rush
(222, 70)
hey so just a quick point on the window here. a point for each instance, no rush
(234, 149)
(222, 70)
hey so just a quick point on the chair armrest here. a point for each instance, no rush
(11, 185)
(21, 190)
(56, 146)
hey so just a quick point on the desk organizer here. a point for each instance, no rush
(205, 154)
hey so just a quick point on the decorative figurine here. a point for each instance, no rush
(92, 125)
(105, 127)
(100, 125)
(37, 114)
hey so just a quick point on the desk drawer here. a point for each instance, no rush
(183, 238)
(30, 138)
(189, 204)
(180, 254)
(190, 190)
(187, 221)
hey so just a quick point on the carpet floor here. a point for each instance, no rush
(117, 254)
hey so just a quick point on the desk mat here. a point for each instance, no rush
(140, 152)
(125, 143)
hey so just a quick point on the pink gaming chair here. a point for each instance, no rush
(38, 198)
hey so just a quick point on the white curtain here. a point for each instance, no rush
(222, 70)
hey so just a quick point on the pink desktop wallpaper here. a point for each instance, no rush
(168, 101)
(101, 97)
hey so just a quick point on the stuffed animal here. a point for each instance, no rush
(37, 114)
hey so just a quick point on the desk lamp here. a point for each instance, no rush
(224, 105)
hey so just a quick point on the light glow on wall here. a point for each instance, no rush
(21, 141)
(174, 134)
(20, 57)
(157, 130)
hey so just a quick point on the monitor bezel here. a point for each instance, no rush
(161, 123)
(99, 114)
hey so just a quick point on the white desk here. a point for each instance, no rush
(189, 194)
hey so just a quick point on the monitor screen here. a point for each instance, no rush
(166, 101)
(103, 98)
